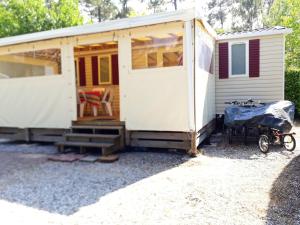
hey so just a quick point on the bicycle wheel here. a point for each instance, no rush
(263, 143)
(289, 142)
(229, 135)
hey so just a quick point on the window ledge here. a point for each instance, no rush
(238, 75)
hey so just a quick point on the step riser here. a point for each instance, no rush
(93, 140)
(110, 132)
(98, 123)
(106, 138)
(104, 150)
(97, 127)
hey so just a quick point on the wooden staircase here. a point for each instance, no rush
(107, 137)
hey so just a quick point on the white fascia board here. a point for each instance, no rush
(182, 15)
(254, 34)
(209, 29)
(199, 16)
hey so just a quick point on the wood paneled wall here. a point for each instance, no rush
(89, 86)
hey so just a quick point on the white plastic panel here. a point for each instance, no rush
(157, 98)
(40, 102)
(204, 77)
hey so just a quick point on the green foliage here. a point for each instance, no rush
(292, 87)
(101, 9)
(28, 16)
(125, 10)
(287, 13)
(161, 5)
(64, 13)
(247, 14)
(218, 12)
(155, 5)
(220, 31)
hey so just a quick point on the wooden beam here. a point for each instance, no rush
(160, 144)
(160, 135)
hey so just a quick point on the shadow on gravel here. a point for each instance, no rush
(241, 151)
(63, 188)
(284, 205)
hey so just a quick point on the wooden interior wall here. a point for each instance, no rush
(89, 86)
(140, 59)
(30, 61)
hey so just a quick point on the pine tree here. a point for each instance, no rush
(218, 12)
(175, 3)
(101, 9)
(247, 14)
(125, 9)
(155, 5)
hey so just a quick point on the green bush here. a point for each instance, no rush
(292, 88)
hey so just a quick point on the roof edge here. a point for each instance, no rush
(254, 34)
(209, 29)
(107, 26)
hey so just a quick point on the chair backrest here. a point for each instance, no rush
(101, 90)
(80, 94)
(108, 95)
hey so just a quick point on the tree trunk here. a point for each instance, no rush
(221, 17)
(175, 4)
(99, 13)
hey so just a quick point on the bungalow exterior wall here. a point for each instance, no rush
(269, 86)
(182, 98)
(50, 101)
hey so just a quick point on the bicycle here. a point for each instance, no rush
(276, 137)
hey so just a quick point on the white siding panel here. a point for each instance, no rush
(269, 86)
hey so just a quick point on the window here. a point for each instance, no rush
(165, 50)
(172, 59)
(152, 60)
(29, 64)
(100, 63)
(239, 59)
(104, 69)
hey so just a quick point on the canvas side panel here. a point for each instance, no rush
(156, 98)
(204, 77)
(41, 101)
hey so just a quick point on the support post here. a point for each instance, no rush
(193, 151)
(27, 134)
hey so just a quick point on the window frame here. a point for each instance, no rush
(246, 58)
(109, 69)
(76, 70)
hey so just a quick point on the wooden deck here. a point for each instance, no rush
(109, 136)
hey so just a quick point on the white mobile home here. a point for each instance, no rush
(151, 81)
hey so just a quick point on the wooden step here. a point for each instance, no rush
(96, 127)
(93, 136)
(85, 144)
(99, 122)
(106, 148)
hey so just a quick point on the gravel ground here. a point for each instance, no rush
(225, 185)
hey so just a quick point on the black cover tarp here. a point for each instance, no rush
(278, 115)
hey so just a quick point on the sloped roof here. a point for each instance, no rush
(255, 32)
(181, 15)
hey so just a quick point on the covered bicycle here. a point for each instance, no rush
(272, 122)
